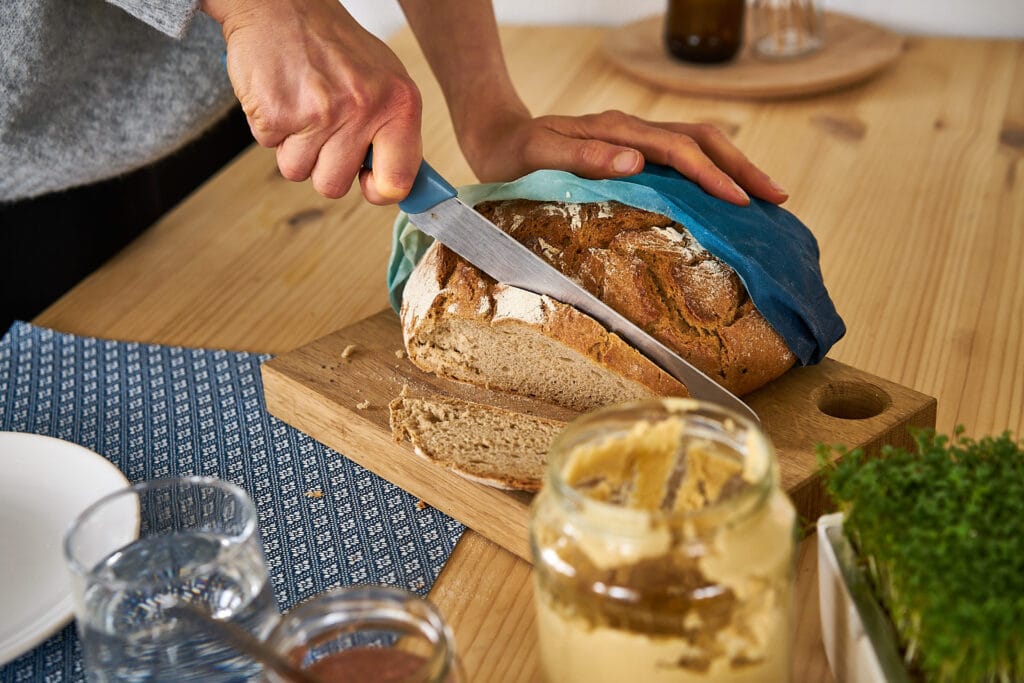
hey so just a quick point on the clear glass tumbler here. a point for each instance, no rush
(784, 29)
(663, 549)
(368, 633)
(141, 551)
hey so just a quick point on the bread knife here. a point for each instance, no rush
(434, 207)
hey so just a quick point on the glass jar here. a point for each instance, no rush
(663, 548)
(368, 633)
(784, 29)
(705, 31)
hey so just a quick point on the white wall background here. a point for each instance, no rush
(993, 18)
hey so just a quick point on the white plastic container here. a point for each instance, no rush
(860, 642)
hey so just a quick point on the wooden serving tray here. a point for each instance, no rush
(853, 51)
(343, 403)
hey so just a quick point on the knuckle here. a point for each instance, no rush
(613, 119)
(533, 152)
(318, 110)
(263, 130)
(615, 116)
(589, 153)
(290, 172)
(292, 169)
(406, 93)
(268, 124)
(684, 152)
(358, 99)
(535, 139)
(710, 131)
(330, 186)
(403, 101)
(689, 144)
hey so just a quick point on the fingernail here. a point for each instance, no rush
(626, 161)
(740, 191)
(778, 188)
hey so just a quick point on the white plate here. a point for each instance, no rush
(44, 484)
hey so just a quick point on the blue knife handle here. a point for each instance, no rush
(428, 190)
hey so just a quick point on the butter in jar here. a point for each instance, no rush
(663, 549)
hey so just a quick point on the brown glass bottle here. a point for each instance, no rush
(704, 31)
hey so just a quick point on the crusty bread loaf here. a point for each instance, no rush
(460, 324)
(487, 444)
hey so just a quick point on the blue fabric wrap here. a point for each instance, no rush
(774, 254)
(163, 411)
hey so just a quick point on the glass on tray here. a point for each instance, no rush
(784, 29)
(142, 551)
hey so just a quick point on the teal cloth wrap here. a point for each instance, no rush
(774, 254)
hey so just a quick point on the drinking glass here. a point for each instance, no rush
(783, 29)
(140, 551)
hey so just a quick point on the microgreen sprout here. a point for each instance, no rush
(940, 532)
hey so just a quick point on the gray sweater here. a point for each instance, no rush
(91, 89)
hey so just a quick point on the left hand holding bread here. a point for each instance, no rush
(614, 144)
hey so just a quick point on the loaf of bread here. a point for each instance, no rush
(461, 324)
(487, 444)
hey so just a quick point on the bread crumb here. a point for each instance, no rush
(314, 493)
(399, 354)
(363, 405)
(348, 351)
(404, 393)
(420, 505)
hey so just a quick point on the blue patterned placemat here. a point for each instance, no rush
(160, 411)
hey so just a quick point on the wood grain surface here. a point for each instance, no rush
(912, 183)
(337, 390)
(853, 51)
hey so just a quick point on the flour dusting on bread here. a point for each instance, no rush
(519, 304)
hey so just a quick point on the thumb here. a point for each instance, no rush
(590, 158)
(397, 151)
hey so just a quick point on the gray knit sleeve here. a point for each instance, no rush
(169, 16)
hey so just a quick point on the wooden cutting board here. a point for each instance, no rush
(343, 403)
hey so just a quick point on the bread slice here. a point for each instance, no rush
(460, 324)
(490, 445)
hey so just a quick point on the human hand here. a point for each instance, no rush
(611, 145)
(320, 89)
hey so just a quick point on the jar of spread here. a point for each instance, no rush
(663, 549)
(367, 633)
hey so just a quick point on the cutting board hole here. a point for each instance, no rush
(852, 400)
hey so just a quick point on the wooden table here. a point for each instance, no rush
(913, 184)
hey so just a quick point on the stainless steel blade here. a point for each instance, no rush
(476, 239)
